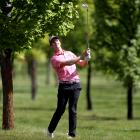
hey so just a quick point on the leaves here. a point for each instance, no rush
(31, 19)
(118, 32)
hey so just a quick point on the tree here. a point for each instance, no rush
(117, 39)
(21, 23)
(31, 61)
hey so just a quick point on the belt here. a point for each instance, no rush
(69, 82)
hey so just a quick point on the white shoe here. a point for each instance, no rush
(70, 137)
(50, 135)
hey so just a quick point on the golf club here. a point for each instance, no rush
(85, 5)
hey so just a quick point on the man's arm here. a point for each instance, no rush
(76, 60)
(82, 63)
(70, 62)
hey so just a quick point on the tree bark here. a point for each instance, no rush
(7, 84)
(88, 95)
(0, 86)
(130, 102)
(31, 64)
(33, 80)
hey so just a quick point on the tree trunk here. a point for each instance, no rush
(7, 83)
(88, 95)
(33, 80)
(130, 102)
(0, 80)
(31, 64)
(0, 87)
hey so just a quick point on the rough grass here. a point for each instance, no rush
(106, 121)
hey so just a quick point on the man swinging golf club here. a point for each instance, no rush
(64, 63)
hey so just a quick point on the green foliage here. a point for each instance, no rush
(117, 38)
(76, 40)
(30, 19)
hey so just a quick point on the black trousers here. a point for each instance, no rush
(67, 93)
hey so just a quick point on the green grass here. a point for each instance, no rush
(107, 120)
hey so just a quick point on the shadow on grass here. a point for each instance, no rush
(95, 117)
(32, 109)
(131, 130)
(105, 118)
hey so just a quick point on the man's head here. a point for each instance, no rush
(52, 39)
(55, 43)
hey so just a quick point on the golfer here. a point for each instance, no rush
(64, 63)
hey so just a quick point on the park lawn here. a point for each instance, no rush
(106, 121)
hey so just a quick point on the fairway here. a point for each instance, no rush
(106, 121)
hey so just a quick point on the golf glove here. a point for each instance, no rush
(88, 56)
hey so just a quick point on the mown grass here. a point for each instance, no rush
(106, 121)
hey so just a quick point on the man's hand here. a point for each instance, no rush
(87, 55)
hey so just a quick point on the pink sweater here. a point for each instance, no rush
(65, 73)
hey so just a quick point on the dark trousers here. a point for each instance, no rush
(66, 93)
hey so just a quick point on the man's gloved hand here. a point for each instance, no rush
(87, 55)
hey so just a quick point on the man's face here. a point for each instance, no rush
(56, 44)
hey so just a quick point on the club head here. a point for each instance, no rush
(85, 5)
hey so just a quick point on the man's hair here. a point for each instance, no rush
(52, 38)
